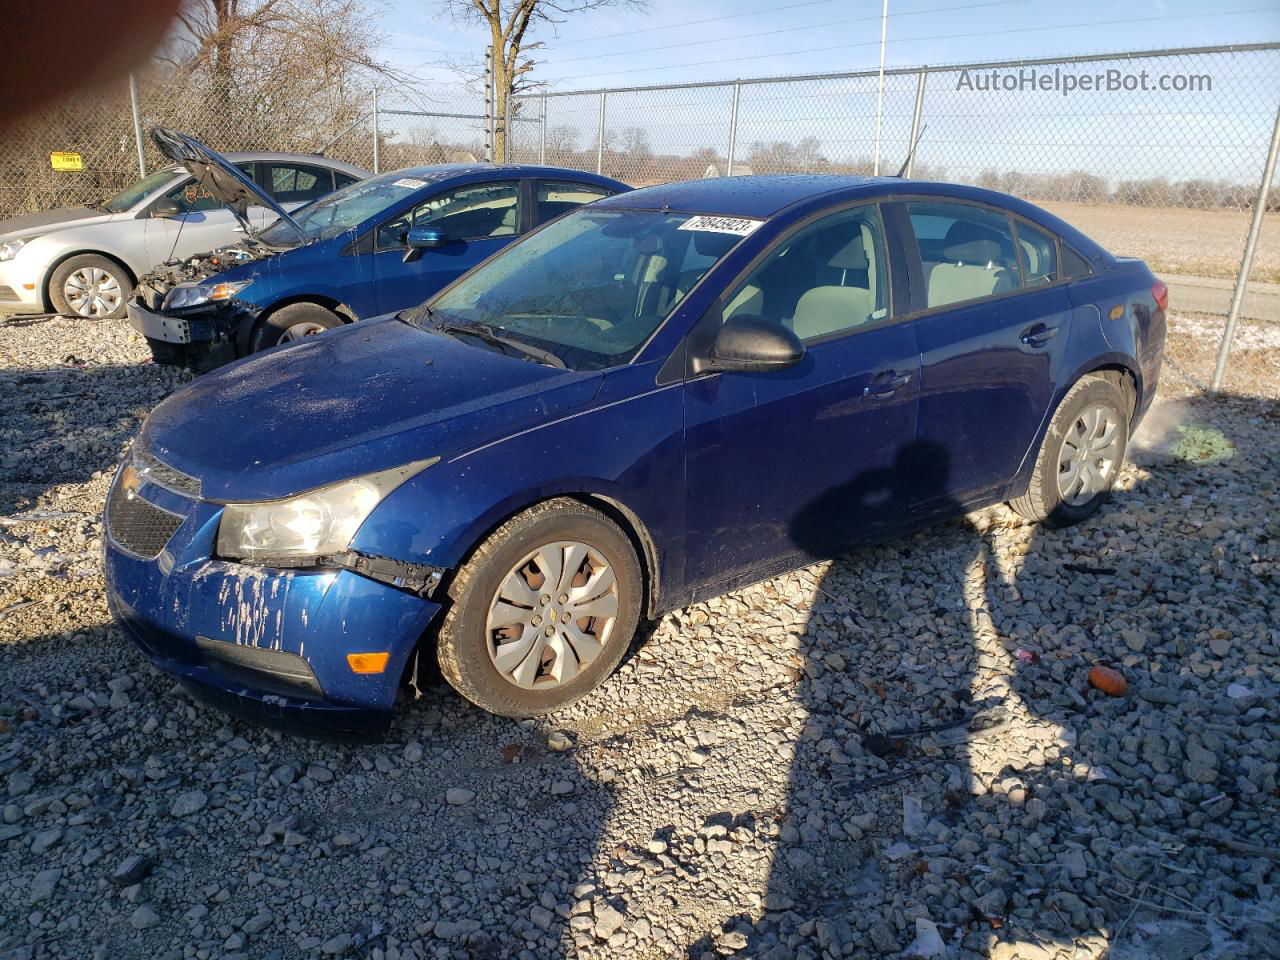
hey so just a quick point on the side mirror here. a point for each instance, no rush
(747, 344)
(419, 239)
(164, 207)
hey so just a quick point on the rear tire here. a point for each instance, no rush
(1080, 456)
(504, 582)
(294, 322)
(90, 286)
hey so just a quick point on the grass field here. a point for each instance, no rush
(1203, 243)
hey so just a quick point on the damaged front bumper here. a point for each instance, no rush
(267, 643)
(202, 340)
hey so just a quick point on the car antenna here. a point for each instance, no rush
(902, 170)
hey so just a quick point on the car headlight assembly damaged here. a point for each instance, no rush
(197, 294)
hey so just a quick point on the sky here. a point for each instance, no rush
(1117, 135)
(613, 47)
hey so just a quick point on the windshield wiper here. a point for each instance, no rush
(415, 315)
(483, 331)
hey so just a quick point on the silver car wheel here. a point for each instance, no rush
(552, 615)
(1090, 455)
(307, 328)
(92, 292)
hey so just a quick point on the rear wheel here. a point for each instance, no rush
(90, 286)
(543, 611)
(1080, 456)
(294, 322)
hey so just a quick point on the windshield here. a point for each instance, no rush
(127, 198)
(345, 208)
(590, 288)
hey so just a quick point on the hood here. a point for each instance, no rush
(217, 175)
(373, 395)
(46, 220)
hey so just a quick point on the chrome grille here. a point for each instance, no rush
(166, 476)
(140, 527)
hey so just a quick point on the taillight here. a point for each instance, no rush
(1161, 292)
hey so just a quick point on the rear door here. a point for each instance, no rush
(478, 219)
(992, 324)
(801, 461)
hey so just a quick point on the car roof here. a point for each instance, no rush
(436, 172)
(762, 196)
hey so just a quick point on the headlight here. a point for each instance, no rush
(9, 249)
(194, 294)
(315, 524)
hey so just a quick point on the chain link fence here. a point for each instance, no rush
(1157, 154)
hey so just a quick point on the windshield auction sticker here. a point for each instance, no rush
(409, 182)
(738, 226)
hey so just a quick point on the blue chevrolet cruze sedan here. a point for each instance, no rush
(647, 402)
(382, 244)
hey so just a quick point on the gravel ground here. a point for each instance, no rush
(894, 753)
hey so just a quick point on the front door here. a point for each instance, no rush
(800, 462)
(202, 224)
(477, 220)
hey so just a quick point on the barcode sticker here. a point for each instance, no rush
(409, 182)
(739, 226)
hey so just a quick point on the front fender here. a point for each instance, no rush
(627, 447)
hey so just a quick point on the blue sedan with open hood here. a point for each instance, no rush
(650, 401)
(383, 244)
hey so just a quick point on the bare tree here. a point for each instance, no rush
(510, 23)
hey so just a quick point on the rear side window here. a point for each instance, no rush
(967, 252)
(1039, 252)
(1074, 265)
(297, 183)
(555, 198)
(341, 180)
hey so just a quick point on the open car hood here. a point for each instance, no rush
(218, 175)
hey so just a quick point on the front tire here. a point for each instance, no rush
(1080, 456)
(294, 322)
(543, 611)
(90, 286)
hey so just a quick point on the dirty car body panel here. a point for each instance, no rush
(720, 478)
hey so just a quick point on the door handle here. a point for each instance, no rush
(886, 384)
(1038, 335)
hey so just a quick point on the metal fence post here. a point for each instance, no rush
(1250, 246)
(915, 122)
(137, 125)
(884, 26)
(600, 136)
(377, 147)
(542, 132)
(733, 127)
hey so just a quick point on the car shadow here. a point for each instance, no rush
(959, 786)
(72, 421)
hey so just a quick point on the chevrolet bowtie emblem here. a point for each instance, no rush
(130, 481)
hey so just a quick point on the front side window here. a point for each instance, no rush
(297, 183)
(1039, 253)
(826, 278)
(591, 287)
(554, 199)
(473, 212)
(967, 252)
(193, 197)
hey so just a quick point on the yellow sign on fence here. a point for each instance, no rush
(66, 161)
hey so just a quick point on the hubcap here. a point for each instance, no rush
(552, 615)
(92, 292)
(307, 328)
(1090, 455)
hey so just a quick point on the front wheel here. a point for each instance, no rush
(1080, 456)
(294, 322)
(90, 286)
(543, 611)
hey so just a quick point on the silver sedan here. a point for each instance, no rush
(84, 260)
